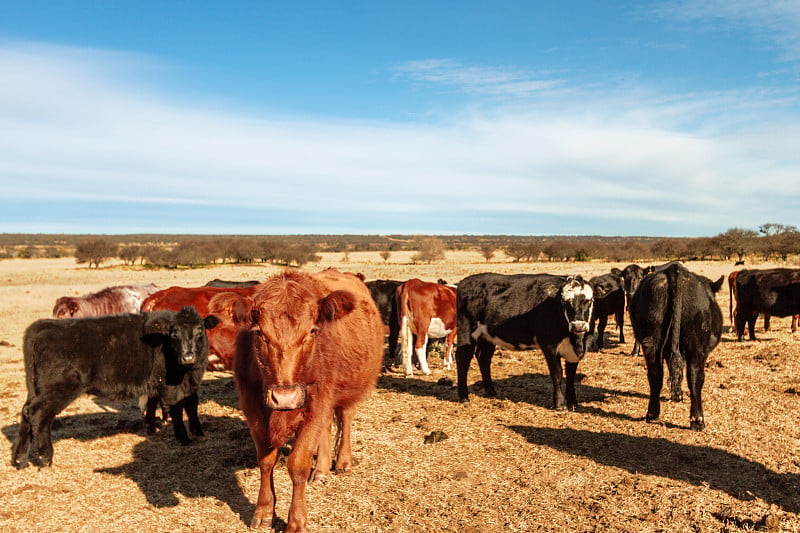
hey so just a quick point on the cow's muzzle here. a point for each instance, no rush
(188, 359)
(286, 397)
(577, 327)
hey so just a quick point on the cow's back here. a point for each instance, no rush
(352, 356)
(495, 299)
(105, 353)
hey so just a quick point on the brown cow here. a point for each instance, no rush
(116, 300)
(425, 310)
(221, 339)
(311, 345)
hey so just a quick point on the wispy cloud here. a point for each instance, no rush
(481, 80)
(74, 133)
(774, 21)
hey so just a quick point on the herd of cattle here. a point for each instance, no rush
(306, 348)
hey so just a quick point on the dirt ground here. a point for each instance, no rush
(509, 463)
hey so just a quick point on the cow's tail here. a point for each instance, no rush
(675, 362)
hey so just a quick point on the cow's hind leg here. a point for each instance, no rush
(421, 347)
(464, 355)
(344, 455)
(22, 446)
(484, 353)
(655, 378)
(695, 375)
(41, 412)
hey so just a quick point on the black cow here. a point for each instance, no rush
(383, 293)
(519, 312)
(676, 318)
(609, 299)
(632, 276)
(772, 291)
(161, 354)
(223, 284)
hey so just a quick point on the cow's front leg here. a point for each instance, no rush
(190, 405)
(556, 373)
(572, 400)
(299, 464)
(265, 505)
(176, 412)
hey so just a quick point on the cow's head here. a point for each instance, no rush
(577, 301)
(633, 275)
(182, 334)
(285, 324)
(65, 307)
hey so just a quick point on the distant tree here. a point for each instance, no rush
(129, 254)
(558, 250)
(779, 240)
(667, 249)
(386, 255)
(487, 250)
(430, 249)
(738, 242)
(94, 251)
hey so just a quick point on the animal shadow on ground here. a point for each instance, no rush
(697, 465)
(531, 388)
(207, 468)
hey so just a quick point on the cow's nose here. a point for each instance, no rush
(579, 326)
(286, 397)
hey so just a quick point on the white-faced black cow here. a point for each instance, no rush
(161, 353)
(383, 294)
(609, 299)
(676, 318)
(519, 312)
(772, 291)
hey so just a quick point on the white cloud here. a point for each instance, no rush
(484, 80)
(73, 130)
(777, 21)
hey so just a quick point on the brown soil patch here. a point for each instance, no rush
(508, 464)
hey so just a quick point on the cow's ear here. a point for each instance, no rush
(717, 285)
(211, 321)
(238, 308)
(616, 271)
(335, 305)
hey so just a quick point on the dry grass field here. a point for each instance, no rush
(509, 463)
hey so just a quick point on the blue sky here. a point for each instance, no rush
(675, 118)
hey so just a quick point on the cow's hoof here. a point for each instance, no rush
(19, 464)
(560, 408)
(676, 398)
(464, 401)
(697, 424)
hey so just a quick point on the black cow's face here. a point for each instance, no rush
(577, 300)
(185, 333)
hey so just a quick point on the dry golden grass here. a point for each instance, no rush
(508, 464)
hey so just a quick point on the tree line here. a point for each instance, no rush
(771, 241)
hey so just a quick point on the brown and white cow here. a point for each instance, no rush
(425, 311)
(116, 300)
(311, 345)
